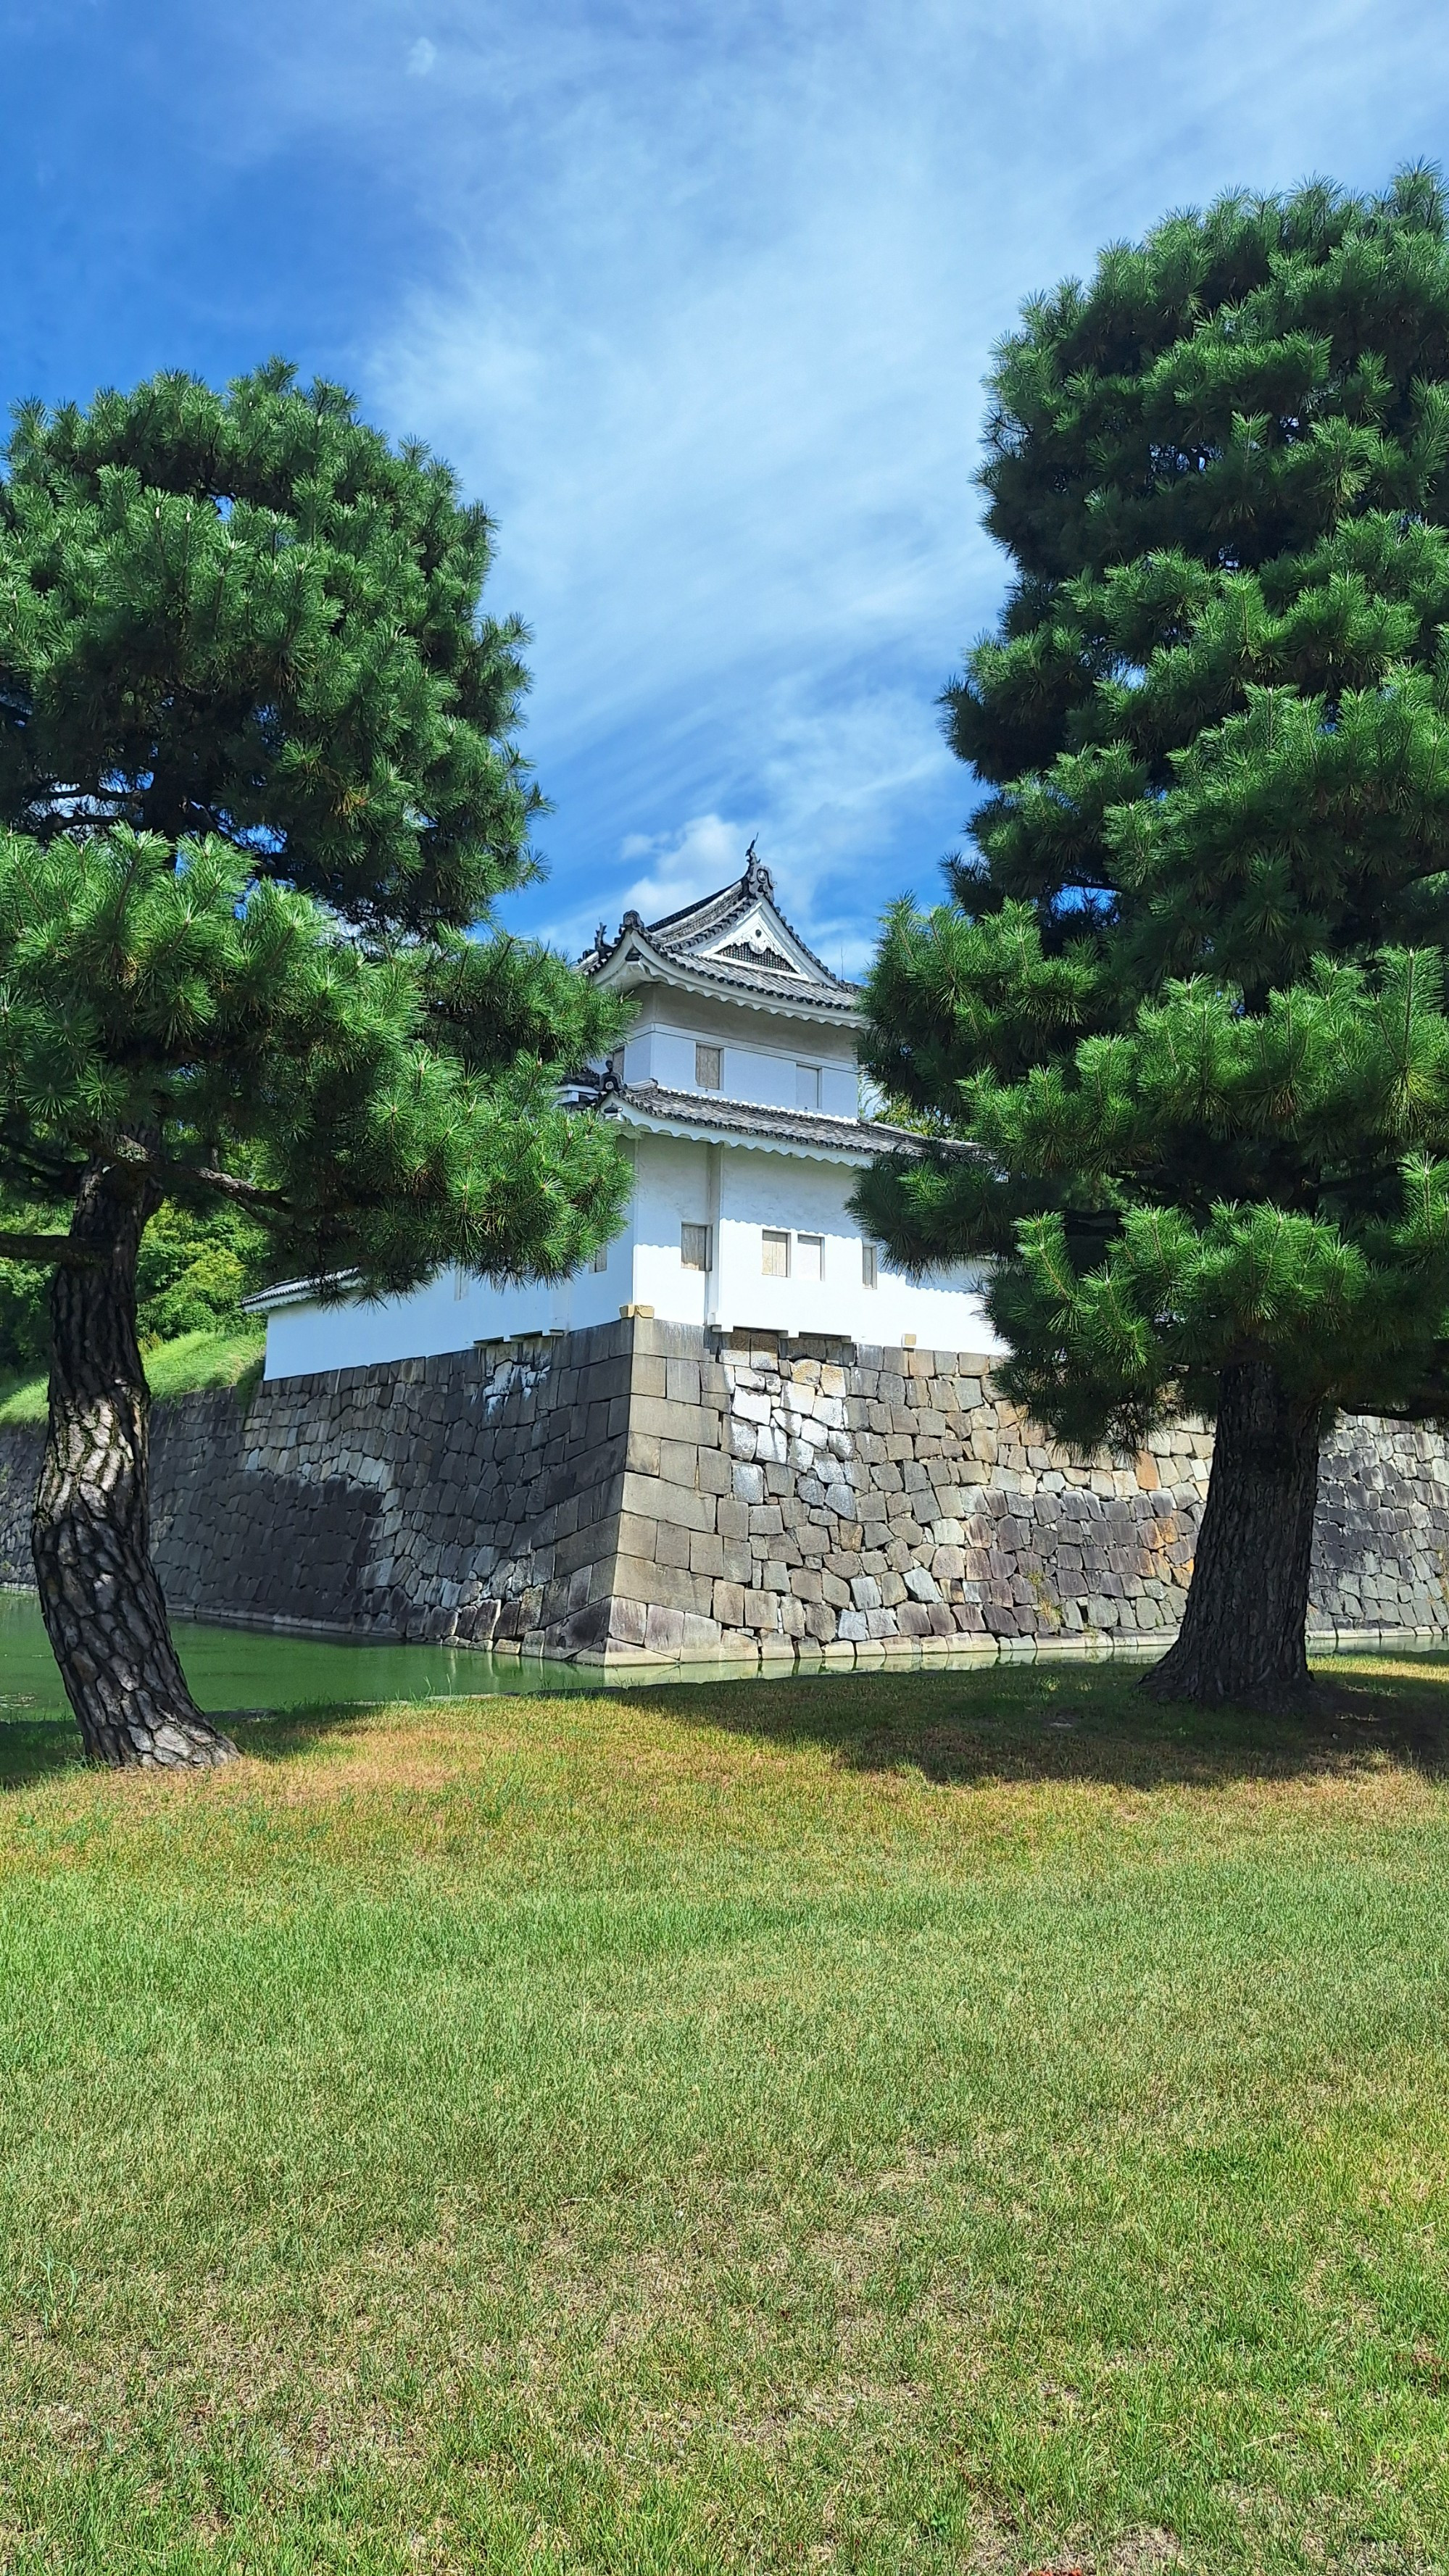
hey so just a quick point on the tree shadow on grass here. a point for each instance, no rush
(41, 1743)
(1068, 1723)
(33, 1747)
(978, 1728)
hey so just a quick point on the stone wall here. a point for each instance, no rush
(647, 1489)
(451, 1497)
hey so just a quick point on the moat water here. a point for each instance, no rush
(244, 1669)
(237, 1668)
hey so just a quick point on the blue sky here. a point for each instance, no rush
(698, 299)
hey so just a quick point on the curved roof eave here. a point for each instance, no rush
(809, 1002)
(756, 1128)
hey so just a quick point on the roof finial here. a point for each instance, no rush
(757, 877)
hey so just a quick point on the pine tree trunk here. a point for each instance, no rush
(1243, 1635)
(90, 1535)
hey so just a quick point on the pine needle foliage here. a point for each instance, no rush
(1185, 1010)
(260, 792)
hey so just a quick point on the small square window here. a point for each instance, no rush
(810, 1251)
(460, 1280)
(694, 1247)
(601, 1258)
(807, 1086)
(775, 1254)
(708, 1067)
(868, 1260)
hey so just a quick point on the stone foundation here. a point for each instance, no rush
(646, 1490)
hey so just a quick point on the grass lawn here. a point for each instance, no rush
(192, 1364)
(936, 2122)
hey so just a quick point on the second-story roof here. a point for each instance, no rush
(736, 941)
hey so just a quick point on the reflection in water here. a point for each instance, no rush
(240, 1669)
(237, 1668)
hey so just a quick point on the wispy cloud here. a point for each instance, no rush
(699, 302)
(719, 376)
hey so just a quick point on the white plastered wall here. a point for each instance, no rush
(446, 1314)
(761, 1050)
(671, 1188)
(736, 1191)
(790, 1195)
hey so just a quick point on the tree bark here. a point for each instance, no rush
(90, 1534)
(1243, 1635)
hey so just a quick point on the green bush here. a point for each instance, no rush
(193, 1272)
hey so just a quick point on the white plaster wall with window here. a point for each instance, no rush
(792, 1067)
(824, 1287)
(671, 1190)
(693, 1248)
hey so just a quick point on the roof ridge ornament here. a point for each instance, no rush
(757, 879)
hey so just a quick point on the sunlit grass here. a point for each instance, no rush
(939, 2122)
(194, 1363)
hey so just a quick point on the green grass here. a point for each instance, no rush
(194, 1363)
(945, 2122)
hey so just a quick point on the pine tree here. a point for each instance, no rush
(259, 794)
(1184, 1016)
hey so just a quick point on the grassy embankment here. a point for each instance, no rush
(933, 2123)
(193, 1363)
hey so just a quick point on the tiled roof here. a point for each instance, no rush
(682, 938)
(861, 1137)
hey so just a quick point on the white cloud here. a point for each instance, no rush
(705, 321)
(421, 58)
(678, 869)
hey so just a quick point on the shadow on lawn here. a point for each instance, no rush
(37, 1748)
(957, 1729)
(1052, 1723)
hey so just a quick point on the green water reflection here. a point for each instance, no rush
(234, 1668)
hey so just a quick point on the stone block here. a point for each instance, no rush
(673, 1545)
(654, 1498)
(674, 1587)
(713, 1474)
(706, 1553)
(693, 1423)
(920, 1585)
(679, 1464)
(626, 1621)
